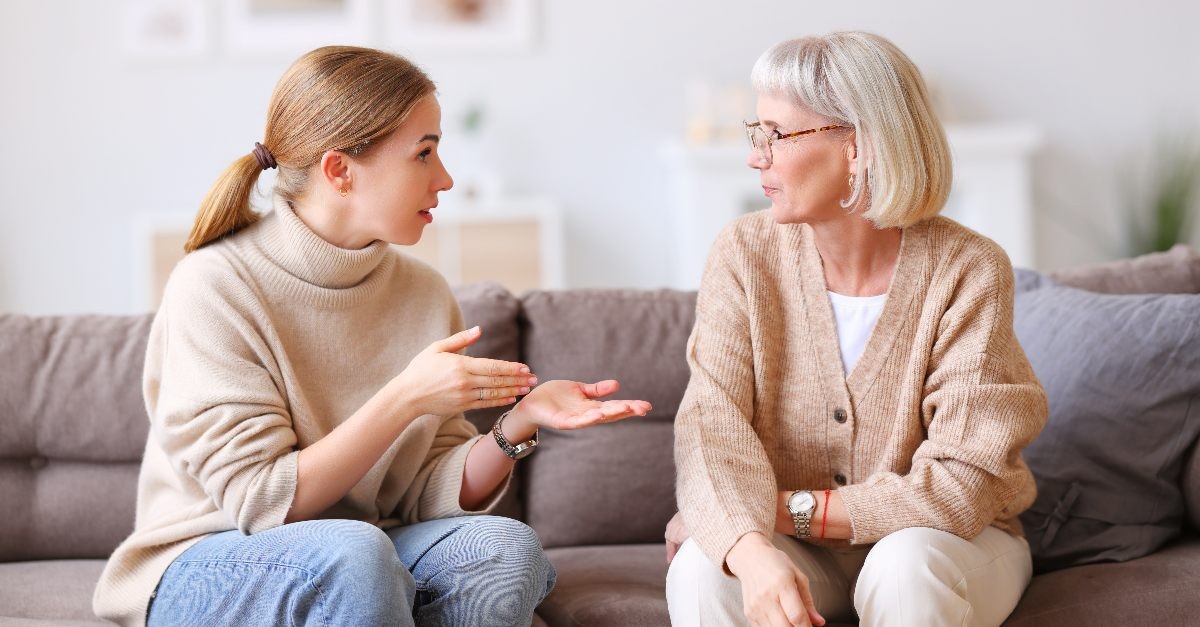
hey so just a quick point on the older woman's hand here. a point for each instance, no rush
(774, 591)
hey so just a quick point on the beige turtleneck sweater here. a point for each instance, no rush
(926, 431)
(265, 341)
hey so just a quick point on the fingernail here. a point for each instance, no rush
(524, 369)
(475, 329)
(524, 390)
(532, 380)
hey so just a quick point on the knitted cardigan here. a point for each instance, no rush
(926, 430)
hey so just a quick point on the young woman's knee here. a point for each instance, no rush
(354, 550)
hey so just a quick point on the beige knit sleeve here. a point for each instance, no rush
(215, 409)
(983, 405)
(725, 485)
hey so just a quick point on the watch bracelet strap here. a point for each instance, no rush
(803, 525)
(505, 446)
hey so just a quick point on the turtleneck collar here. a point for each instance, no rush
(288, 242)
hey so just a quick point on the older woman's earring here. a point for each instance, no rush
(343, 192)
(851, 180)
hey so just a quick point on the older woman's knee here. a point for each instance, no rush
(692, 568)
(911, 563)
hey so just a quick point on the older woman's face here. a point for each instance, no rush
(807, 177)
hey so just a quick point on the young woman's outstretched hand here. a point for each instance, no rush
(441, 382)
(570, 405)
(554, 404)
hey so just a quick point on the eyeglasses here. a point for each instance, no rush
(761, 140)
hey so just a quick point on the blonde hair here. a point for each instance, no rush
(863, 80)
(333, 98)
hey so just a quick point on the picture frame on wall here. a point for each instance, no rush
(291, 27)
(165, 30)
(418, 25)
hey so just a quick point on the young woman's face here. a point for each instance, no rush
(395, 185)
(807, 177)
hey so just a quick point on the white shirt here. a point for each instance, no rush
(855, 318)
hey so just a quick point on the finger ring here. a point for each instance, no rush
(480, 393)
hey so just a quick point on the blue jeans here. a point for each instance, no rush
(472, 570)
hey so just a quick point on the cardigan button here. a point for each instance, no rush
(840, 479)
(839, 415)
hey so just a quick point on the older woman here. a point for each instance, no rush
(849, 442)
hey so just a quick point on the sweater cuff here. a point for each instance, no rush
(717, 540)
(869, 522)
(440, 498)
(271, 500)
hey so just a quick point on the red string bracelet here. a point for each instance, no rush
(825, 514)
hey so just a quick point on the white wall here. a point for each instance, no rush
(91, 141)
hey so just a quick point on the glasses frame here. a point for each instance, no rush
(770, 155)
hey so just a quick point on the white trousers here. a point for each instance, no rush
(915, 576)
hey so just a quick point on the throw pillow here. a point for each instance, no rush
(1122, 373)
(1176, 271)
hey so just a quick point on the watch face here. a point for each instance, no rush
(801, 502)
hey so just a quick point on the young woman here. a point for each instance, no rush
(849, 443)
(308, 460)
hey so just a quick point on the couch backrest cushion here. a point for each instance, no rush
(1191, 481)
(1176, 271)
(72, 430)
(611, 484)
(1122, 373)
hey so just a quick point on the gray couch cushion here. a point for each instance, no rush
(1122, 374)
(1157, 590)
(1176, 271)
(60, 509)
(613, 484)
(609, 585)
(72, 430)
(71, 387)
(58, 592)
(1191, 487)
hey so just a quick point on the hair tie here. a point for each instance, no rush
(265, 159)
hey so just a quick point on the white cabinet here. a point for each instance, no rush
(516, 242)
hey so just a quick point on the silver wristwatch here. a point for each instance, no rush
(801, 504)
(520, 451)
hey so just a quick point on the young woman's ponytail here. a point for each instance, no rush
(226, 207)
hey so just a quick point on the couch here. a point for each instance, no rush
(72, 429)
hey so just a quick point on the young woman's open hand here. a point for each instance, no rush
(570, 405)
(441, 382)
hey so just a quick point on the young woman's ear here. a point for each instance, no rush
(335, 171)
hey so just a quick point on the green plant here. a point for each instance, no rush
(1166, 213)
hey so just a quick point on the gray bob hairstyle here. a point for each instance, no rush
(865, 81)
